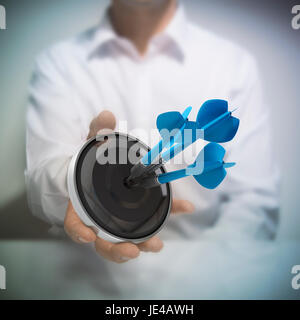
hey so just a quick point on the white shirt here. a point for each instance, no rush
(76, 79)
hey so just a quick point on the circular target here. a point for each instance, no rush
(101, 169)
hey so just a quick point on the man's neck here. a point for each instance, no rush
(139, 22)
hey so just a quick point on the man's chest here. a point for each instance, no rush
(138, 91)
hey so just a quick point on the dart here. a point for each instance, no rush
(209, 169)
(214, 123)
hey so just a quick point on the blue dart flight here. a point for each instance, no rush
(209, 169)
(214, 123)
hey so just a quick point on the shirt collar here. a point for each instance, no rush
(175, 31)
(103, 33)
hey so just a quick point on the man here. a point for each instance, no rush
(143, 59)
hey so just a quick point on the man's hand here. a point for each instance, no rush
(117, 252)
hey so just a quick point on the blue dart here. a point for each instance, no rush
(209, 169)
(214, 123)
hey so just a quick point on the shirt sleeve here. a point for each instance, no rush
(54, 133)
(250, 192)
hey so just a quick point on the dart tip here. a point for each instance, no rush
(228, 164)
(234, 109)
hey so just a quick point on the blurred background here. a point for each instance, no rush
(262, 27)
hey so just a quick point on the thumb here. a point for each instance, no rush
(182, 206)
(76, 229)
(105, 120)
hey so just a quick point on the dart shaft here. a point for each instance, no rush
(149, 157)
(153, 180)
(171, 176)
(195, 169)
(157, 149)
(172, 152)
(215, 121)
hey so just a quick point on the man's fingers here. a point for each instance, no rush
(117, 252)
(152, 245)
(125, 251)
(76, 229)
(182, 206)
(103, 247)
(105, 120)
